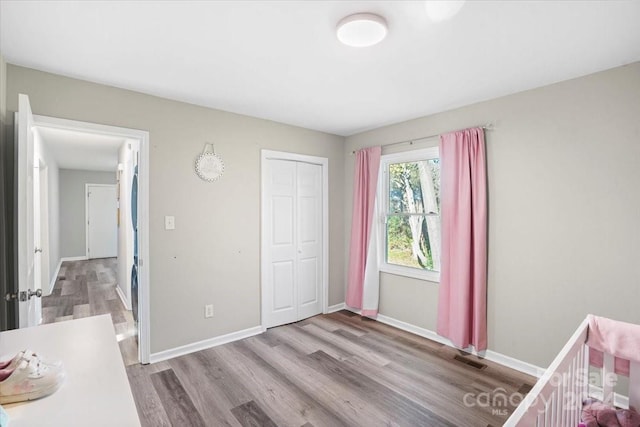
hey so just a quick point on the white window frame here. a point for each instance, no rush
(383, 208)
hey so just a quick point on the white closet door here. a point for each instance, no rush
(294, 241)
(281, 194)
(309, 239)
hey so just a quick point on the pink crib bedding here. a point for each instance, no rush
(619, 339)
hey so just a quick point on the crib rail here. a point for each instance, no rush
(556, 399)
(634, 385)
(606, 392)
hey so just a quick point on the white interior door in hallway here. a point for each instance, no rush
(293, 251)
(102, 225)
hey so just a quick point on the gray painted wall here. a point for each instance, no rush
(73, 233)
(3, 91)
(564, 210)
(213, 255)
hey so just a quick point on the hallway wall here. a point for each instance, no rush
(72, 208)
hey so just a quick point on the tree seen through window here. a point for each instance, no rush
(413, 217)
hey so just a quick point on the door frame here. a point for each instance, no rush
(265, 156)
(144, 317)
(86, 214)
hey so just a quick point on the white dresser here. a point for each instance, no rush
(96, 391)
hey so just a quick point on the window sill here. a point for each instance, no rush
(429, 276)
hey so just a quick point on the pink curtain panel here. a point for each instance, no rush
(462, 304)
(365, 183)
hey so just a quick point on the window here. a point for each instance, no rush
(410, 203)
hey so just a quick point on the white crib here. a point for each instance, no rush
(556, 399)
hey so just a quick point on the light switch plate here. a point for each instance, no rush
(169, 223)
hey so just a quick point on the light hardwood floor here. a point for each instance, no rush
(88, 288)
(330, 370)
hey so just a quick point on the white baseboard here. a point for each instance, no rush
(127, 304)
(205, 344)
(493, 356)
(619, 400)
(513, 363)
(334, 308)
(74, 258)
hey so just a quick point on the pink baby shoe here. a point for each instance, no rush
(28, 378)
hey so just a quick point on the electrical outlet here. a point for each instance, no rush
(208, 310)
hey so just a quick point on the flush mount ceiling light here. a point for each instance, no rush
(439, 10)
(362, 29)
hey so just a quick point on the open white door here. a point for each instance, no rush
(29, 306)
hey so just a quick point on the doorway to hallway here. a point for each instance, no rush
(72, 150)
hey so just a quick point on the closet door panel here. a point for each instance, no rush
(282, 256)
(283, 286)
(309, 239)
(308, 274)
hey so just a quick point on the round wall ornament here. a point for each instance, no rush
(209, 166)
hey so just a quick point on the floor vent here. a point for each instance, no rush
(472, 363)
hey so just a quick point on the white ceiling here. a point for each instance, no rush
(282, 61)
(79, 150)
